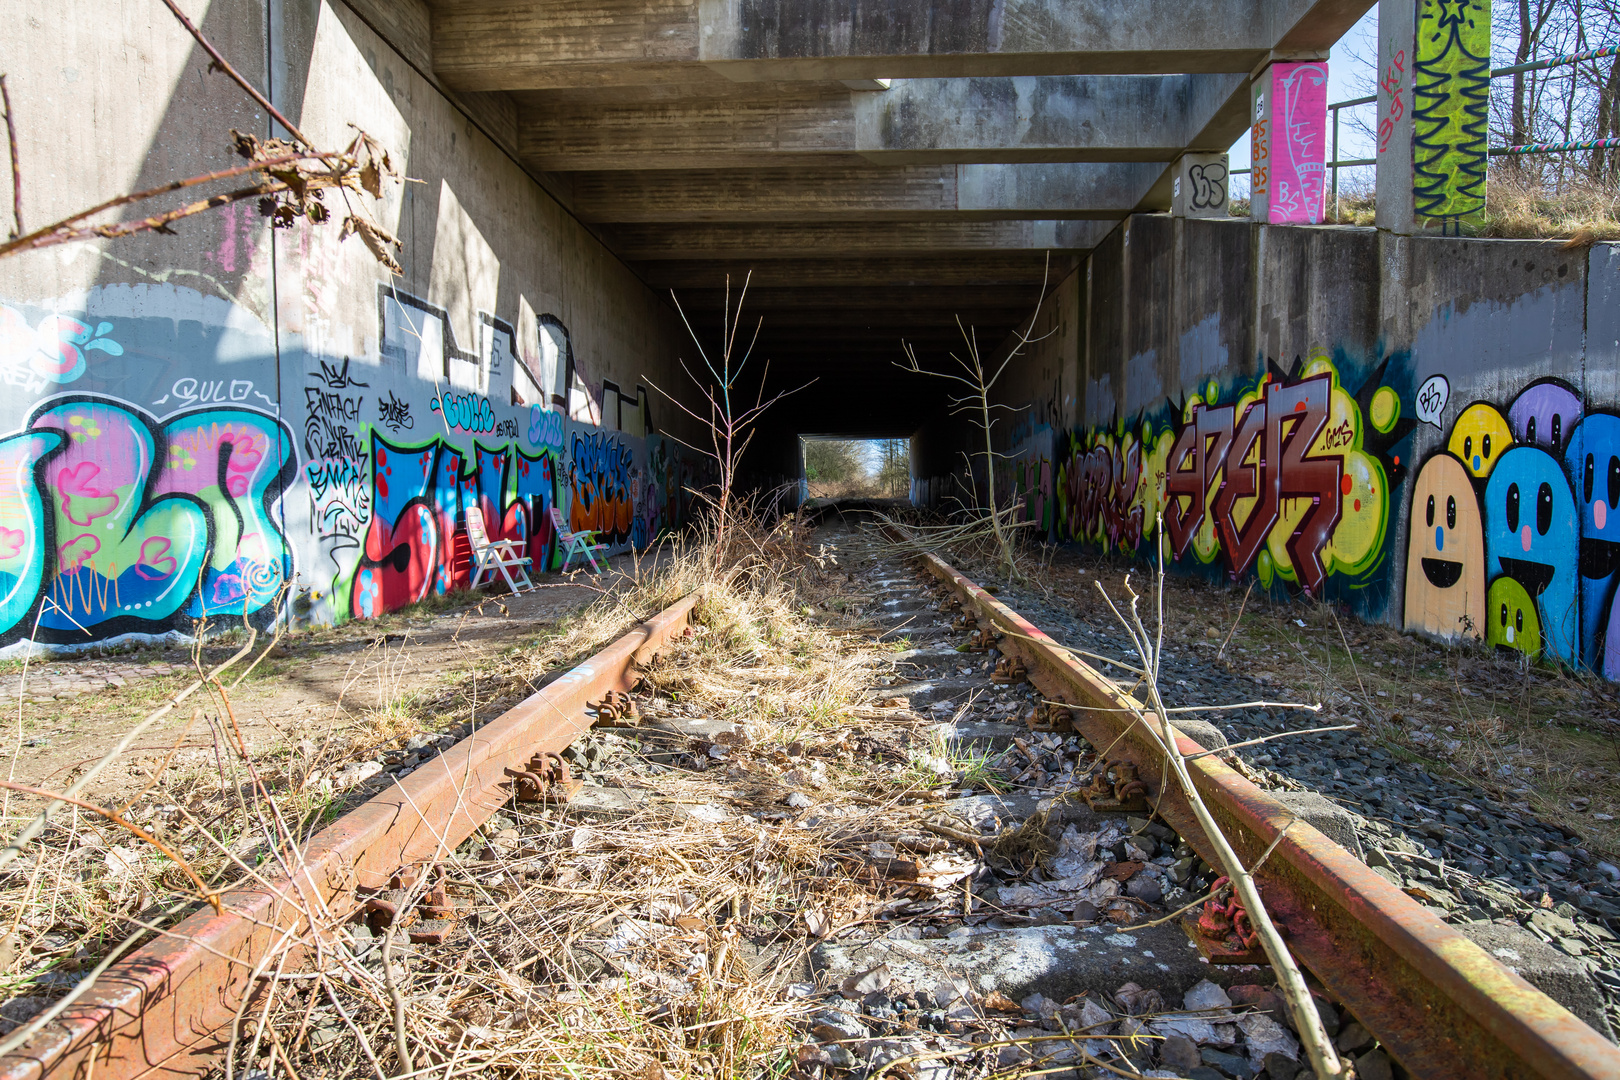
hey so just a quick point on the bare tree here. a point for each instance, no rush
(974, 402)
(730, 423)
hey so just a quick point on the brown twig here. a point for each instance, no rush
(1224, 641)
(16, 169)
(31, 240)
(203, 891)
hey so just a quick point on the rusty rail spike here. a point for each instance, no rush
(155, 1012)
(1440, 1004)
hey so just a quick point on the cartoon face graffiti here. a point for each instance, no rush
(1592, 462)
(1531, 536)
(1544, 414)
(1445, 553)
(1480, 437)
(1512, 621)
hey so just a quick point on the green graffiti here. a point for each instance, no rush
(1451, 97)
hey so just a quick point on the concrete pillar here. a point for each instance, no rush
(1198, 188)
(1433, 100)
(1288, 142)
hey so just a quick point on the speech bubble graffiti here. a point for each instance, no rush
(1431, 399)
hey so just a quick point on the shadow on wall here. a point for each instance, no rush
(1297, 477)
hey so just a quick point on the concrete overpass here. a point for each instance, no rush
(880, 167)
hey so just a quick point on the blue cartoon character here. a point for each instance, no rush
(1532, 536)
(1593, 464)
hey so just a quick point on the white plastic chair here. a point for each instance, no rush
(582, 542)
(490, 556)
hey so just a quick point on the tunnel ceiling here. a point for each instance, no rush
(882, 168)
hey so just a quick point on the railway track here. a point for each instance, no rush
(968, 882)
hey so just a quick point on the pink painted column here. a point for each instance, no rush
(1288, 143)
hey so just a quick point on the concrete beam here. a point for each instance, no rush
(523, 45)
(810, 240)
(996, 269)
(866, 193)
(947, 300)
(915, 122)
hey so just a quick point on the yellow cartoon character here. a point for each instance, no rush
(1479, 437)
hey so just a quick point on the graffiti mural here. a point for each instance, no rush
(1450, 102)
(1288, 143)
(420, 495)
(112, 521)
(601, 474)
(217, 471)
(1520, 499)
(1288, 478)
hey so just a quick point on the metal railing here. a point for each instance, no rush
(1337, 163)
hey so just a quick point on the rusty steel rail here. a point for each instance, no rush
(1440, 1004)
(156, 1012)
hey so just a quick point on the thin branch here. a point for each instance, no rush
(224, 65)
(16, 168)
(161, 189)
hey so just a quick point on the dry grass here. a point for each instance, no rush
(544, 982)
(1520, 208)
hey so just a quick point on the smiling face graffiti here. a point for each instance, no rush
(1531, 536)
(1479, 438)
(1544, 415)
(1445, 555)
(1513, 623)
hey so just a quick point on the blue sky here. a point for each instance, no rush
(1350, 75)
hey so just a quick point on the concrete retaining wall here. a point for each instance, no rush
(235, 421)
(1424, 429)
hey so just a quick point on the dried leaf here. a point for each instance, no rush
(371, 179)
(1000, 1002)
(866, 982)
(1122, 871)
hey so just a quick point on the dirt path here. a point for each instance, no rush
(313, 686)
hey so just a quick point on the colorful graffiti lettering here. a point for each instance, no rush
(419, 496)
(1288, 478)
(140, 523)
(51, 352)
(600, 467)
(1450, 103)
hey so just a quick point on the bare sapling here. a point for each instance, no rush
(978, 380)
(731, 422)
(1324, 1059)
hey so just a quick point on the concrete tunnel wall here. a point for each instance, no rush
(1424, 429)
(198, 424)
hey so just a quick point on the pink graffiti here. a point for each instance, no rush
(155, 562)
(1300, 138)
(82, 501)
(76, 552)
(11, 542)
